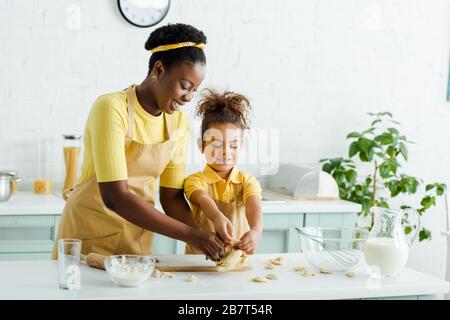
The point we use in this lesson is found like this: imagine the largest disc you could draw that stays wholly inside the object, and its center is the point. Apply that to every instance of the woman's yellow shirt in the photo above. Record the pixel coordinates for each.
(104, 139)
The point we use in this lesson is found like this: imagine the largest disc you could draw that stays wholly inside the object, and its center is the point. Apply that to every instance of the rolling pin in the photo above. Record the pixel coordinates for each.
(94, 260)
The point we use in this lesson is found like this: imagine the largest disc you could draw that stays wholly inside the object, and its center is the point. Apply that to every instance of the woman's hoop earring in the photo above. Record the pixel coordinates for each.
(153, 77)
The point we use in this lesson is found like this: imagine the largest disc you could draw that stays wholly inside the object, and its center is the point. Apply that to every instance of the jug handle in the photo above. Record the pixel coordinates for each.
(411, 239)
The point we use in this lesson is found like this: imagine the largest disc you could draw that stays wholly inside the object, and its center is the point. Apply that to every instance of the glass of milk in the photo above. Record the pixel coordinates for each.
(387, 248)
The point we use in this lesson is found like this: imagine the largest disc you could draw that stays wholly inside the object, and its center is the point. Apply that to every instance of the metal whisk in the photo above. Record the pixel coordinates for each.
(345, 257)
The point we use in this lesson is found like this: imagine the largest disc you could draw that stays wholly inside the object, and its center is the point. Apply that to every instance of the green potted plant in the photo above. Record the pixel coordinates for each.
(385, 149)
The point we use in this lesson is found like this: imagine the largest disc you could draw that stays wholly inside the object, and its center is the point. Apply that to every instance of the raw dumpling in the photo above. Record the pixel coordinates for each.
(272, 276)
(167, 275)
(259, 279)
(299, 269)
(325, 271)
(350, 274)
(191, 278)
(270, 266)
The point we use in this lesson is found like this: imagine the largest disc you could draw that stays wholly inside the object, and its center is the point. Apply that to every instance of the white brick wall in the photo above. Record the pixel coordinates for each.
(312, 68)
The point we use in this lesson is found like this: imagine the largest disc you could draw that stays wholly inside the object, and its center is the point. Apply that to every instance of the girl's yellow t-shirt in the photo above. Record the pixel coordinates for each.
(222, 189)
(104, 139)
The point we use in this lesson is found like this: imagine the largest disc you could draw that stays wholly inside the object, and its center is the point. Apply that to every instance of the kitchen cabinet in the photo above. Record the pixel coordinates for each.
(29, 223)
(27, 237)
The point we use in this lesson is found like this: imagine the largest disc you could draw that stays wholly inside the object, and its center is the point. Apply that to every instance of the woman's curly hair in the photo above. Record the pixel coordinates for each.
(226, 107)
(171, 34)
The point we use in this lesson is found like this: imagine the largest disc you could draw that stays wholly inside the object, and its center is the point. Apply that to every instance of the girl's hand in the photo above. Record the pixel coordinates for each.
(248, 241)
(224, 229)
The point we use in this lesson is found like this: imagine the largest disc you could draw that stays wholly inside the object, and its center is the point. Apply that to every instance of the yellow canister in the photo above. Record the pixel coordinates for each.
(43, 186)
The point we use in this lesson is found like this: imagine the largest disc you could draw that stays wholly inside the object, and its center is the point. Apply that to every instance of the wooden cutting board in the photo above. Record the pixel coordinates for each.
(178, 263)
(190, 263)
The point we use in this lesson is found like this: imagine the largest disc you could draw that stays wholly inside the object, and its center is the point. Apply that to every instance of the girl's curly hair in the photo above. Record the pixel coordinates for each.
(226, 107)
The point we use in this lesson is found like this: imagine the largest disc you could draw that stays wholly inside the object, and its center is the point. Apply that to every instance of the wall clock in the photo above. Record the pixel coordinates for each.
(143, 13)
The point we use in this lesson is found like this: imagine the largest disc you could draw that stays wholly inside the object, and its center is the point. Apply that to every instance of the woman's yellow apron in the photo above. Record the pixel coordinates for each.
(102, 230)
(234, 211)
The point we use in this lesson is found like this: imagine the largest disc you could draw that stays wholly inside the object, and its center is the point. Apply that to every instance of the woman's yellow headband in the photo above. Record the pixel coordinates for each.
(167, 47)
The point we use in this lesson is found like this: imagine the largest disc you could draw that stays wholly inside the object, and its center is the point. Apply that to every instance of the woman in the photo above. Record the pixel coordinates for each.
(132, 138)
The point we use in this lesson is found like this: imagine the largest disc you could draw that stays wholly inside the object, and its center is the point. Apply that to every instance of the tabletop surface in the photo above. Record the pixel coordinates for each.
(38, 280)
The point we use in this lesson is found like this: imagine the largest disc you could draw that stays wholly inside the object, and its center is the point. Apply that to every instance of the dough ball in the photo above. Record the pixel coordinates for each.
(270, 266)
(350, 274)
(275, 262)
(299, 269)
(259, 279)
(308, 273)
(167, 275)
(191, 278)
(325, 271)
(272, 276)
(280, 259)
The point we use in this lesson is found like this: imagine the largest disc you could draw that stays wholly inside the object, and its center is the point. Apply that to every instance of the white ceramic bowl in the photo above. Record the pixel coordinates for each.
(129, 270)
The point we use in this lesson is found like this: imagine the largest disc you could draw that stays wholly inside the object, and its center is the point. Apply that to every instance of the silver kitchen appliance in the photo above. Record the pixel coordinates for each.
(8, 181)
(300, 182)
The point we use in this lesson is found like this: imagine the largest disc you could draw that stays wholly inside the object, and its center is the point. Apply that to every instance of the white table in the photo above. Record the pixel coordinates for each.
(38, 280)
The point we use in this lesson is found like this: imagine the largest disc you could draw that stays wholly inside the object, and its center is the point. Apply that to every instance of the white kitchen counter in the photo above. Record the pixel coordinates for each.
(29, 203)
(303, 206)
(38, 280)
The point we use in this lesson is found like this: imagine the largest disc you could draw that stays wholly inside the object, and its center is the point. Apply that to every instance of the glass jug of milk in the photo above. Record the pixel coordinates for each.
(387, 248)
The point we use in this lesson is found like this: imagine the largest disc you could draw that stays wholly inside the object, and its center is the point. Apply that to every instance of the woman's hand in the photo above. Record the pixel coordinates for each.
(248, 241)
(224, 229)
(207, 242)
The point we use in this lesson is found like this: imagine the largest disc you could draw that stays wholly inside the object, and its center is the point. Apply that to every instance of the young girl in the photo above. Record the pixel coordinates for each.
(224, 199)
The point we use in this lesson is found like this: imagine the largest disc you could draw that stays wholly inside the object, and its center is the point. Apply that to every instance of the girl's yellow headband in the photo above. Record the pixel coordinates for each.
(167, 47)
